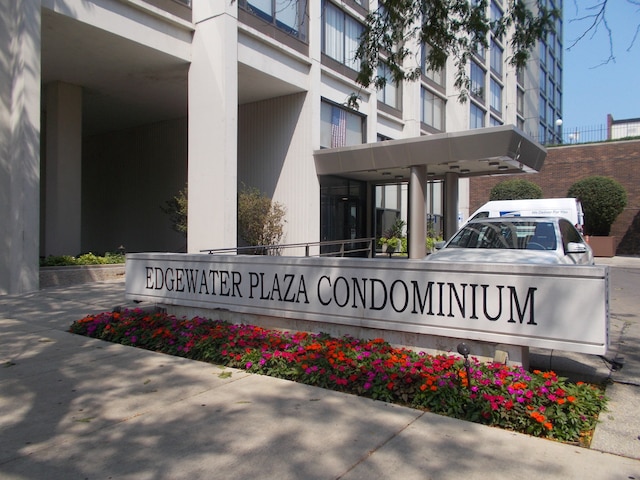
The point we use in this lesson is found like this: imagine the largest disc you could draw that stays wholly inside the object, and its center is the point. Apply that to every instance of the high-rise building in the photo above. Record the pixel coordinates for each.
(540, 87)
(110, 108)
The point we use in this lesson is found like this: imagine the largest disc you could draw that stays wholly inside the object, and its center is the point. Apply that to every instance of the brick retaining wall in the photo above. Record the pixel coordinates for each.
(567, 164)
(74, 275)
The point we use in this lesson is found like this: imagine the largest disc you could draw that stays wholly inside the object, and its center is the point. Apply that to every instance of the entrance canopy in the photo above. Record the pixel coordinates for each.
(483, 151)
(449, 156)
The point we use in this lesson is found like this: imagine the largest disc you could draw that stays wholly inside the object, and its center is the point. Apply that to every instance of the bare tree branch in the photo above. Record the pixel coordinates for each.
(596, 16)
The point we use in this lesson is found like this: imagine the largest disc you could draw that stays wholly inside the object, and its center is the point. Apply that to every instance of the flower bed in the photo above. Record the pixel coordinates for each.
(536, 403)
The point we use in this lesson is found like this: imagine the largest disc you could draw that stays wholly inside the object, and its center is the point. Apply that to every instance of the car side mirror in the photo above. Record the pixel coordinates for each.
(439, 245)
(576, 247)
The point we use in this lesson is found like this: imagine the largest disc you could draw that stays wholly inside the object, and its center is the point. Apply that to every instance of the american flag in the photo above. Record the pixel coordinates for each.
(338, 127)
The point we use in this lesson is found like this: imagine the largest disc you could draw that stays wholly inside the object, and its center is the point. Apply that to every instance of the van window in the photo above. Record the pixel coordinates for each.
(480, 215)
(569, 234)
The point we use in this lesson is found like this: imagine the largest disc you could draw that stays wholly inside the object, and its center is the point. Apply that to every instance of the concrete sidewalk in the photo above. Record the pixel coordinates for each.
(74, 407)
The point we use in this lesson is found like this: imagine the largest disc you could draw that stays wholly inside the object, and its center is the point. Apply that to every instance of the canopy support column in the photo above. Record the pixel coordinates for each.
(417, 228)
(450, 204)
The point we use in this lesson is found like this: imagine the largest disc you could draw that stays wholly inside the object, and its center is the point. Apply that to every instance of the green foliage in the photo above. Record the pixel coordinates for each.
(433, 237)
(538, 403)
(84, 259)
(603, 199)
(452, 28)
(260, 221)
(432, 241)
(394, 238)
(515, 189)
(176, 208)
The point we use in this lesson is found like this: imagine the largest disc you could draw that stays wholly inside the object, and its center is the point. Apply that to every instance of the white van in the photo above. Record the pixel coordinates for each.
(569, 208)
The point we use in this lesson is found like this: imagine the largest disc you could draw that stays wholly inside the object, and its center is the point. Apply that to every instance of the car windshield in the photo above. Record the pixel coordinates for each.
(508, 234)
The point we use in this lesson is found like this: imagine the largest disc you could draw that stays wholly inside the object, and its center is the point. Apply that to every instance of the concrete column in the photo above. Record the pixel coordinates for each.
(213, 127)
(63, 169)
(450, 204)
(417, 211)
(20, 44)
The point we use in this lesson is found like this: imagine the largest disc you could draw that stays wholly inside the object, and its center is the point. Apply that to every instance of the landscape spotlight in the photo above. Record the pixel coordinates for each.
(463, 349)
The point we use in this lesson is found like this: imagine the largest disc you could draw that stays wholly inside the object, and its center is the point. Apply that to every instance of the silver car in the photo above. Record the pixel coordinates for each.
(538, 240)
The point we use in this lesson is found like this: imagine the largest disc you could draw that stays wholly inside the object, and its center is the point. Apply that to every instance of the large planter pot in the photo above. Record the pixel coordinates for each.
(602, 246)
(388, 249)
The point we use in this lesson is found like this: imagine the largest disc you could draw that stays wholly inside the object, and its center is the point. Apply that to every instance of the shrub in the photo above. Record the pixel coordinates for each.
(176, 208)
(84, 259)
(515, 189)
(260, 220)
(603, 199)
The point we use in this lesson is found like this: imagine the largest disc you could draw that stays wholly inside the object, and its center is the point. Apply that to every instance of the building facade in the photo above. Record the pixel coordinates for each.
(111, 107)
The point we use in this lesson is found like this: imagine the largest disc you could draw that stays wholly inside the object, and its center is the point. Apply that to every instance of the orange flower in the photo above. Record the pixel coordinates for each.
(571, 398)
(548, 426)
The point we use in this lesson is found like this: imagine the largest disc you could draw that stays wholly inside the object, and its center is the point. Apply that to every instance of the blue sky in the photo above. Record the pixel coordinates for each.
(592, 90)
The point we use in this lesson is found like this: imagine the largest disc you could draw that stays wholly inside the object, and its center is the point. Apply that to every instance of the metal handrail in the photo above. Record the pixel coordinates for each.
(370, 248)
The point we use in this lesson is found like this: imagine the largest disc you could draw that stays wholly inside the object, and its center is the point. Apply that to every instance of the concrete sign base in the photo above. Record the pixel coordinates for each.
(553, 307)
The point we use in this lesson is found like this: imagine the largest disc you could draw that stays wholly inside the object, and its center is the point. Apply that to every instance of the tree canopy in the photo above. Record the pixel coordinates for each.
(452, 29)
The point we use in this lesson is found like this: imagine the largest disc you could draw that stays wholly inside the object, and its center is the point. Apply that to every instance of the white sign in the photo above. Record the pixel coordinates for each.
(555, 307)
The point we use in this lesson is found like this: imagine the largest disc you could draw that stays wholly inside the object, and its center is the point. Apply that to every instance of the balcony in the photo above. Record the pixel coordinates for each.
(179, 8)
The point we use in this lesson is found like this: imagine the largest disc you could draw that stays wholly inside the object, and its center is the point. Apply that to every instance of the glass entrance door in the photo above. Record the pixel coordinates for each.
(342, 210)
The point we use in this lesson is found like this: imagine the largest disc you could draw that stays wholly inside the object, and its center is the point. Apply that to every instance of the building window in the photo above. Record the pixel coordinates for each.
(551, 117)
(287, 15)
(520, 76)
(476, 117)
(438, 75)
(494, 122)
(433, 109)
(341, 34)
(481, 52)
(543, 81)
(390, 93)
(477, 81)
(496, 58)
(542, 135)
(340, 127)
(495, 12)
(520, 102)
(496, 96)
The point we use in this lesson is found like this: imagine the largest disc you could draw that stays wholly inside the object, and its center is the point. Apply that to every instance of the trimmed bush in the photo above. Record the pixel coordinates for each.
(603, 199)
(84, 259)
(515, 189)
(260, 220)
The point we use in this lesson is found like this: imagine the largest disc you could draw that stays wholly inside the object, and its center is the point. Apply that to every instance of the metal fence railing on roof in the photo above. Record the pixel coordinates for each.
(596, 133)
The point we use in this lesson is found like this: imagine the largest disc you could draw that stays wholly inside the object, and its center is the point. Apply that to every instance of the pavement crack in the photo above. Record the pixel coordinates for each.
(379, 446)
